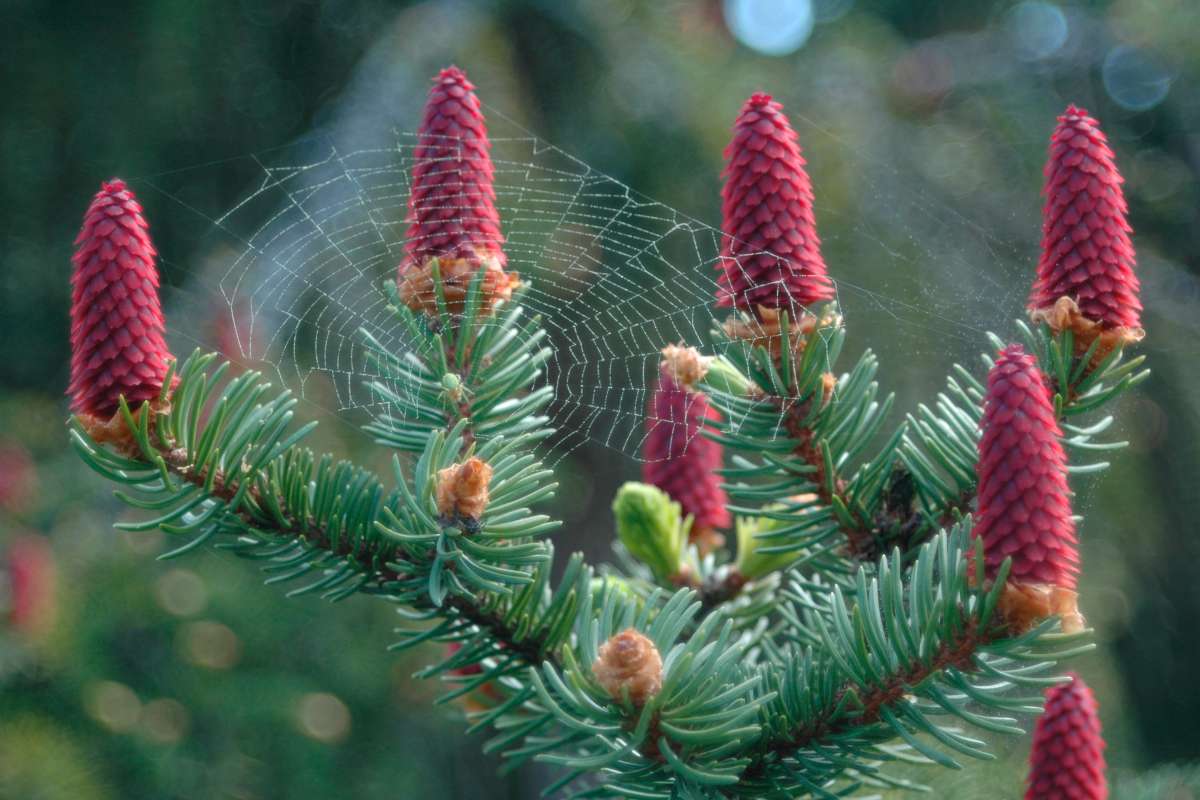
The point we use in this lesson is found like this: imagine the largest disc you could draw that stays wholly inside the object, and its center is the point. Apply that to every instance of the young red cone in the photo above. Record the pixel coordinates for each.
(1024, 501)
(771, 255)
(676, 457)
(117, 344)
(452, 202)
(1067, 759)
(1087, 255)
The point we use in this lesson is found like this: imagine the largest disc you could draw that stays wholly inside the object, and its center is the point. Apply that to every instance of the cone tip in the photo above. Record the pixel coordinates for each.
(113, 186)
(454, 75)
(761, 101)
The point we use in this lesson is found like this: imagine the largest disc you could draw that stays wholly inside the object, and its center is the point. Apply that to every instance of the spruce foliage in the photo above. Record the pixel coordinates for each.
(856, 628)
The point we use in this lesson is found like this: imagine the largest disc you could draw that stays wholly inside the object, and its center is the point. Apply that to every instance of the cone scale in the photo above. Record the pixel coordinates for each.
(117, 326)
(771, 254)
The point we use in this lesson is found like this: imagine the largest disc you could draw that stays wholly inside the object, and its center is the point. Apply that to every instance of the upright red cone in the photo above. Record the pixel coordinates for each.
(1087, 255)
(771, 255)
(1024, 502)
(676, 457)
(1067, 759)
(117, 345)
(452, 202)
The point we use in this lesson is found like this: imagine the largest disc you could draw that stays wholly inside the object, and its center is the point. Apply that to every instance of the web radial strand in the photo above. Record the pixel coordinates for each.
(615, 276)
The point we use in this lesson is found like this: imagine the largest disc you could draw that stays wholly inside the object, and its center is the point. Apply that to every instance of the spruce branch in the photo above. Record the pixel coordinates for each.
(810, 428)
(809, 423)
(900, 663)
(324, 523)
(1085, 310)
(234, 478)
(922, 478)
(684, 674)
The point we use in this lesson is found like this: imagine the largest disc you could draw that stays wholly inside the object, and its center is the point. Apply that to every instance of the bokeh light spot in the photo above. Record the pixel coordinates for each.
(165, 720)
(1038, 30)
(181, 592)
(210, 644)
(1133, 79)
(323, 717)
(114, 705)
(772, 27)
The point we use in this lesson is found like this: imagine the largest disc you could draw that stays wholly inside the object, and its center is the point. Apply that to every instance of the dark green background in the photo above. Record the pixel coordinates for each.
(925, 134)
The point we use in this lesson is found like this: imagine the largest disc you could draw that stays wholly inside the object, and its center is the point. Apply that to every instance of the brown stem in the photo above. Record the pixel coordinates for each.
(716, 591)
(870, 701)
(861, 538)
(370, 557)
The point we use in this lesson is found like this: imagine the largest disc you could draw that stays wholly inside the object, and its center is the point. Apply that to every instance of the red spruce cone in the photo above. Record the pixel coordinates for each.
(1087, 255)
(1067, 759)
(682, 462)
(771, 255)
(117, 345)
(452, 203)
(1024, 501)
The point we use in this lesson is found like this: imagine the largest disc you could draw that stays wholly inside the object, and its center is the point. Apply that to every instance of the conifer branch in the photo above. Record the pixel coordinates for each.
(680, 673)
(900, 655)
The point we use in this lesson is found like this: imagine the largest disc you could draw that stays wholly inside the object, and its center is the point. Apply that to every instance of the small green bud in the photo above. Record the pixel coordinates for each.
(649, 524)
(724, 377)
(752, 562)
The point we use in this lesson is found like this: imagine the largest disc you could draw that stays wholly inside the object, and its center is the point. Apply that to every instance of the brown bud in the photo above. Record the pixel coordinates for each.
(416, 287)
(1065, 315)
(115, 431)
(462, 489)
(764, 331)
(629, 662)
(684, 365)
(1024, 605)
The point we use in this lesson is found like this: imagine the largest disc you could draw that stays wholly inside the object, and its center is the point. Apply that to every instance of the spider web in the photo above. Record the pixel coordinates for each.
(614, 275)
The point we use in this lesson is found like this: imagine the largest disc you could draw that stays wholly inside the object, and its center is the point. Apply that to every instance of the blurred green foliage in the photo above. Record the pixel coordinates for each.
(925, 125)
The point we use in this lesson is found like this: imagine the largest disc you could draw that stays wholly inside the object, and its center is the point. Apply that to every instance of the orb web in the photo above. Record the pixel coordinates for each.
(298, 265)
